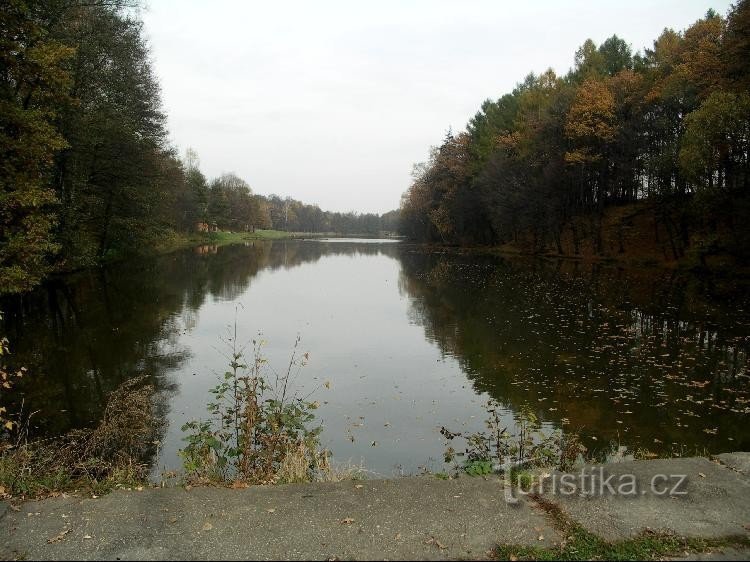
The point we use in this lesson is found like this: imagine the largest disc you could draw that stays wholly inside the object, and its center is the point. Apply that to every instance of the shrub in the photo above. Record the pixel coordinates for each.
(113, 453)
(259, 431)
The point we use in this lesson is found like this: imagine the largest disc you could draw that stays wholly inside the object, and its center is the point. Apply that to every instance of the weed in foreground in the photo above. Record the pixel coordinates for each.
(260, 429)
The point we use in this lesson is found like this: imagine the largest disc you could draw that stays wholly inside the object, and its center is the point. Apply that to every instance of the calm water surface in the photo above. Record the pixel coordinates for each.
(408, 340)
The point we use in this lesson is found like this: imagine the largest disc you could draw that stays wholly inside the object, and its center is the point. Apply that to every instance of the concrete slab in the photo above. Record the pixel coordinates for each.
(736, 461)
(713, 501)
(412, 518)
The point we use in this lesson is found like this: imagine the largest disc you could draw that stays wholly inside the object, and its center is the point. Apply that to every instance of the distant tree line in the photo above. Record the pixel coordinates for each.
(225, 203)
(228, 203)
(670, 126)
(86, 170)
(295, 216)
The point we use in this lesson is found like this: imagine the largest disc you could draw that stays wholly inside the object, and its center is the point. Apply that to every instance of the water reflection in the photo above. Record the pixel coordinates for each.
(411, 340)
(83, 335)
(651, 359)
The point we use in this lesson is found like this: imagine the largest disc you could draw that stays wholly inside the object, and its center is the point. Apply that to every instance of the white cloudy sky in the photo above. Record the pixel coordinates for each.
(332, 102)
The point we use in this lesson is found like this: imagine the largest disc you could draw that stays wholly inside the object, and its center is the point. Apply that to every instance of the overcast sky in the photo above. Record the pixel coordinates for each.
(333, 102)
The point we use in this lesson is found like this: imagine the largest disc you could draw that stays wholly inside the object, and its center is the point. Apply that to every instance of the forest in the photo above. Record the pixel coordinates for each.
(652, 142)
(86, 169)
(567, 161)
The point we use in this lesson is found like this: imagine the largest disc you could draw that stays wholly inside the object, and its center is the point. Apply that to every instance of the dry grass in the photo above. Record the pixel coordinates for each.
(340, 472)
(113, 453)
(302, 464)
(295, 464)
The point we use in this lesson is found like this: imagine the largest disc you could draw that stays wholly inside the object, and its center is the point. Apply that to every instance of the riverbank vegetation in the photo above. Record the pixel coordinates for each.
(176, 240)
(222, 237)
(87, 169)
(261, 425)
(640, 149)
(500, 448)
(259, 430)
(113, 454)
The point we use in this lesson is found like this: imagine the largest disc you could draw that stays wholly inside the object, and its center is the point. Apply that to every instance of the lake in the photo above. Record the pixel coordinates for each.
(402, 341)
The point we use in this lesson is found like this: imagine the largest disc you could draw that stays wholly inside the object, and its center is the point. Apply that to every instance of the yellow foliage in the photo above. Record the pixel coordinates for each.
(592, 114)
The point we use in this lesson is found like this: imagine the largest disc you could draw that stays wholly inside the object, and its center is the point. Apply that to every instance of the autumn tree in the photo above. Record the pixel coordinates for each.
(34, 83)
(736, 46)
(668, 125)
(714, 150)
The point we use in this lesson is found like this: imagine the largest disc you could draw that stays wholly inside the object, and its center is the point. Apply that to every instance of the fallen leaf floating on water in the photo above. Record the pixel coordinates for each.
(347, 521)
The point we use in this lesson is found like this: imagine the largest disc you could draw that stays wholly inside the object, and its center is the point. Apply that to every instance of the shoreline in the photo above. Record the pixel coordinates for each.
(409, 518)
(508, 251)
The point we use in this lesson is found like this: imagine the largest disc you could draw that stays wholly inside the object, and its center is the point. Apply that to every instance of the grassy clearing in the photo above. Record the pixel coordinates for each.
(233, 237)
(177, 241)
(224, 237)
(579, 544)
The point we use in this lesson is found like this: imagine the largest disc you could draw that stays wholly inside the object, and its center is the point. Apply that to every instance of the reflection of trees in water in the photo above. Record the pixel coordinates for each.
(225, 273)
(83, 335)
(663, 353)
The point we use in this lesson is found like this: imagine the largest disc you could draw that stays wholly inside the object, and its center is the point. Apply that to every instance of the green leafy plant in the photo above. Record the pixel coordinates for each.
(478, 468)
(259, 432)
(528, 445)
(522, 478)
